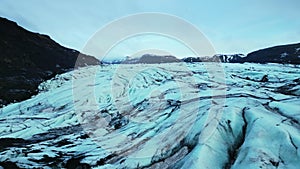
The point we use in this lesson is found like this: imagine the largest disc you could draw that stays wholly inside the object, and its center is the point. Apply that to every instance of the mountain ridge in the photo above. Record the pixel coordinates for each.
(284, 54)
(28, 58)
(288, 53)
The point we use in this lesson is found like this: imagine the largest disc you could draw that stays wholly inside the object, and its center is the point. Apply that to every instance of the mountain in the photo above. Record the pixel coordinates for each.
(234, 58)
(151, 59)
(285, 54)
(277, 54)
(289, 54)
(27, 59)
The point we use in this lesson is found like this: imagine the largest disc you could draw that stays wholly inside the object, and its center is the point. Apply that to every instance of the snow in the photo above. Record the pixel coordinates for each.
(159, 115)
(283, 55)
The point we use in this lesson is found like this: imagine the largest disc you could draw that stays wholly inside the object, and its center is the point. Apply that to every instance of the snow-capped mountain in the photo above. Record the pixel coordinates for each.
(234, 58)
(284, 54)
(173, 115)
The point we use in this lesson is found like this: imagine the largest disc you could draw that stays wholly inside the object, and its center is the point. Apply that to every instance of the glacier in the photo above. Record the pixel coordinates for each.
(171, 115)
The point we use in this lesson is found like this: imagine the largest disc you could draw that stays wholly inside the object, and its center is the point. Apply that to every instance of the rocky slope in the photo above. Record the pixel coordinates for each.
(173, 115)
(27, 59)
(277, 54)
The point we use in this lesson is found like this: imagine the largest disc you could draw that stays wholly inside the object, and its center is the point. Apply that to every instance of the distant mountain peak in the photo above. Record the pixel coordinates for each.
(284, 54)
(152, 59)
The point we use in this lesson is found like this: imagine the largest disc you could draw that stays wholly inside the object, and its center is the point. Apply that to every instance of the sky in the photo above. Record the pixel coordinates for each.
(232, 26)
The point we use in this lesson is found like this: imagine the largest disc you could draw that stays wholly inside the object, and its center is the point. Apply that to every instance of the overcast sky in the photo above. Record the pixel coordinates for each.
(232, 26)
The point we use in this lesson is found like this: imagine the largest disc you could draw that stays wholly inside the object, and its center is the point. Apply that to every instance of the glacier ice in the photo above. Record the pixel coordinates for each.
(158, 116)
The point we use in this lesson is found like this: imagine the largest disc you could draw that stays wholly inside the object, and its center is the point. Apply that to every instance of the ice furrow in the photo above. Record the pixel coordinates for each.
(157, 116)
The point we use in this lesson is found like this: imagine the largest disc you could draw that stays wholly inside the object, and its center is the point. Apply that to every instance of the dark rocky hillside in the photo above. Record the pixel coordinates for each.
(27, 59)
(278, 54)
